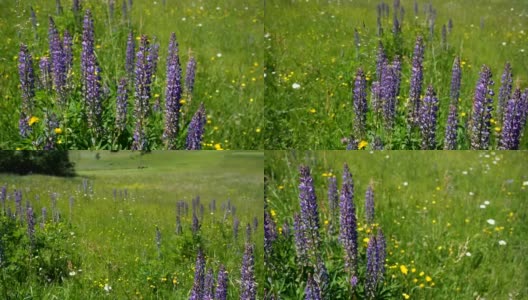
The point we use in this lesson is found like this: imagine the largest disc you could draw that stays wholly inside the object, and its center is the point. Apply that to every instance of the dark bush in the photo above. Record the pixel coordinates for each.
(55, 163)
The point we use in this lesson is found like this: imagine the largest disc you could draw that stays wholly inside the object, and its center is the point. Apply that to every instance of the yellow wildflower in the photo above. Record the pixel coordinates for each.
(404, 269)
(428, 279)
(58, 130)
(33, 120)
(362, 145)
(405, 296)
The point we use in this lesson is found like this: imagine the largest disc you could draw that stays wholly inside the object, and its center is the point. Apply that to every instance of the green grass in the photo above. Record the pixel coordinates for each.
(428, 205)
(115, 238)
(229, 78)
(312, 44)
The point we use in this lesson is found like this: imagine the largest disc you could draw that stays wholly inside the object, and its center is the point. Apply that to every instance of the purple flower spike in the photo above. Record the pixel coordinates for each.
(360, 104)
(189, 76)
(348, 222)
(270, 232)
(333, 197)
(312, 290)
(427, 119)
(388, 94)
(209, 285)
(30, 224)
(300, 239)
(173, 94)
(450, 141)
(376, 97)
(199, 278)
(455, 81)
(309, 212)
(221, 284)
(91, 78)
(68, 52)
(121, 105)
(142, 95)
(504, 91)
(27, 79)
(514, 121)
(130, 51)
(196, 129)
(369, 204)
(380, 60)
(416, 80)
(248, 289)
(479, 126)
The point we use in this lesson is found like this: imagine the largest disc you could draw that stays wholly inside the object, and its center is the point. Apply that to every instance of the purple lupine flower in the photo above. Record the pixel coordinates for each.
(190, 73)
(455, 81)
(270, 232)
(504, 91)
(248, 288)
(30, 225)
(3, 196)
(388, 94)
(196, 129)
(513, 125)
(45, 73)
(76, 6)
(142, 95)
(173, 94)
(321, 276)
(179, 229)
(33, 18)
(312, 291)
(416, 80)
(67, 44)
(195, 224)
(380, 254)
(348, 222)
(18, 204)
(121, 105)
(221, 284)
(300, 239)
(376, 97)
(27, 84)
(286, 230)
(360, 103)
(236, 225)
(371, 280)
(479, 127)
(402, 14)
(369, 204)
(449, 25)
(248, 233)
(152, 59)
(58, 62)
(380, 60)
(91, 77)
(209, 285)
(396, 28)
(357, 40)
(199, 277)
(427, 119)
(309, 212)
(450, 141)
(130, 52)
(44, 217)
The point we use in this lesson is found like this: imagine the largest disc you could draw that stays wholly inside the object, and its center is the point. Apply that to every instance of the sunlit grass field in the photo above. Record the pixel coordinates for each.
(225, 37)
(119, 199)
(311, 60)
(455, 223)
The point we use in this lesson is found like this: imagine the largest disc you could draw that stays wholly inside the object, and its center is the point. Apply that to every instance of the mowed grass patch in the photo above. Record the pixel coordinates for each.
(119, 199)
(453, 221)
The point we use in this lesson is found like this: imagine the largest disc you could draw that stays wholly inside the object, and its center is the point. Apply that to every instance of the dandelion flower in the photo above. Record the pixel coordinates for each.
(405, 296)
(428, 278)
(404, 269)
(34, 120)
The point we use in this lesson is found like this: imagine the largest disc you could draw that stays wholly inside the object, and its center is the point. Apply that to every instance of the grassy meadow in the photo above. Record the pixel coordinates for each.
(454, 222)
(107, 235)
(312, 55)
(229, 76)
